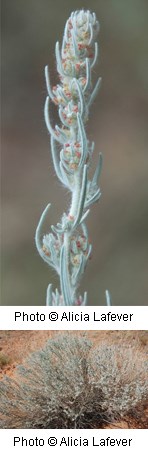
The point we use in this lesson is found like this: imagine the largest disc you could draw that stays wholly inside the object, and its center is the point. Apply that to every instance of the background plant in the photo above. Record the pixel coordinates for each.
(4, 360)
(69, 384)
(67, 248)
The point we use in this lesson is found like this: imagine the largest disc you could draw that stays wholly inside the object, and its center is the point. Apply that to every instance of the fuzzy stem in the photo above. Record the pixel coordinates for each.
(67, 235)
(75, 195)
(67, 251)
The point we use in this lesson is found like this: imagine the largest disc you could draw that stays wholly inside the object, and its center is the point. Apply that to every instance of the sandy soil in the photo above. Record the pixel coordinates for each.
(16, 345)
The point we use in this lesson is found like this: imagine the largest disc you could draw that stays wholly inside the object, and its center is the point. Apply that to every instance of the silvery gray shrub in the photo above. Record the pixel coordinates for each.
(70, 384)
(66, 249)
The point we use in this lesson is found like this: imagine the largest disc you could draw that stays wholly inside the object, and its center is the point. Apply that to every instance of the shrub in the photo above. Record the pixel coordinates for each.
(4, 360)
(68, 384)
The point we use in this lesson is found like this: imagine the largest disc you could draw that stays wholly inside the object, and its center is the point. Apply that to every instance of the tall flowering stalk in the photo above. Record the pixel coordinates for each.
(67, 247)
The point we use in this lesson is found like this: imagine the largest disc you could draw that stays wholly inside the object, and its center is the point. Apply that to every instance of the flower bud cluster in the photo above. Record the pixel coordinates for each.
(79, 248)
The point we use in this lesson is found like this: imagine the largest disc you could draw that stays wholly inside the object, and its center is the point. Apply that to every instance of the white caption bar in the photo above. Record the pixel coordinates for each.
(111, 442)
(73, 318)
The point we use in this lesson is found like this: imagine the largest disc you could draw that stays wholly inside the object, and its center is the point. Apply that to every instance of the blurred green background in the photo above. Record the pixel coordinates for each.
(118, 224)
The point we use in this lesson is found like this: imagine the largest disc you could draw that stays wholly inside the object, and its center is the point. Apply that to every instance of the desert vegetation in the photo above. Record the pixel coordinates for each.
(76, 382)
(4, 360)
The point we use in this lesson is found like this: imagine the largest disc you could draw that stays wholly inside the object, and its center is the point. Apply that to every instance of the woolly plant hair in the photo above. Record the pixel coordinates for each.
(67, 248)
(69, 384)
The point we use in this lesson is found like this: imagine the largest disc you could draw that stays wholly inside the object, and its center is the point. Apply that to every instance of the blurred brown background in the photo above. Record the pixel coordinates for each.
(118, 224)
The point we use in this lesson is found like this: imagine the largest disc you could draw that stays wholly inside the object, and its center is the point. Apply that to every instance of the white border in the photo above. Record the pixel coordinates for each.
(51, 318)
(136, 442)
